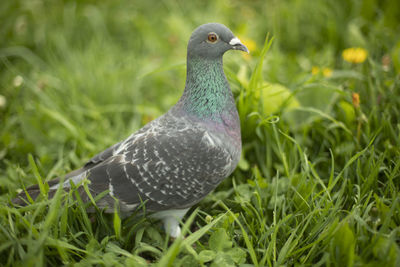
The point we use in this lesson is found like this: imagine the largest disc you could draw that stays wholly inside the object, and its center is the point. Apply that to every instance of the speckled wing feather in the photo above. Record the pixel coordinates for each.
(170, 163)
(102, 156)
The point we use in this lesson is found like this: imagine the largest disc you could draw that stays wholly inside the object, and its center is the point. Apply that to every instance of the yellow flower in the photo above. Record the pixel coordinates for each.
(327, 72)
(314, 70)
(250, 44)
(356, 100)
(355, 55)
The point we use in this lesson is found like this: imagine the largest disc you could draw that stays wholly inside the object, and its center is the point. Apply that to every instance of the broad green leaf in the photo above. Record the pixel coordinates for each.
(206, 255)
(344, 243)
(219, 240)
(223, 260)
(386, 250)
(238, 255)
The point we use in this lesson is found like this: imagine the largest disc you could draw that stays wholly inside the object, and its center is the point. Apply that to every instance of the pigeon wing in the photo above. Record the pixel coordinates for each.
(109, 152)
(166, 169)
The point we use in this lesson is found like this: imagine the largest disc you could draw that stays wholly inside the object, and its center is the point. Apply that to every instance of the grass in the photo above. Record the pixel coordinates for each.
(319, 180)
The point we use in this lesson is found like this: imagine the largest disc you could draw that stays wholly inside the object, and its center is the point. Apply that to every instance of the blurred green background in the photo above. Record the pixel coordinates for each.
(320, 131)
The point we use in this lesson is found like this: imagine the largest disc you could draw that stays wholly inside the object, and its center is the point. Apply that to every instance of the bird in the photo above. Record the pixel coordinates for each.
(174, 161)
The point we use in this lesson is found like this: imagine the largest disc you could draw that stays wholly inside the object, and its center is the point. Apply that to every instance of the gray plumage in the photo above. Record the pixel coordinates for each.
(177, 159)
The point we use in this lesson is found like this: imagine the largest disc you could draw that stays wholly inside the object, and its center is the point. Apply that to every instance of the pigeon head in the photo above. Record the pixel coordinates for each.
(212, 40)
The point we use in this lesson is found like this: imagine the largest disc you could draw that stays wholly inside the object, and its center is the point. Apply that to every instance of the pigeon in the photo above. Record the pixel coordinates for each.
(174, 161)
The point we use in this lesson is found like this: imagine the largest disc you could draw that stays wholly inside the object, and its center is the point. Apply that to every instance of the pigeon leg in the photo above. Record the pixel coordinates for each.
(171, 220)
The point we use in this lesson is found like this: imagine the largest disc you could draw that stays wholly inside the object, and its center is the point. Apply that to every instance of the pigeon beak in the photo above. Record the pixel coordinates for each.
(236, 44)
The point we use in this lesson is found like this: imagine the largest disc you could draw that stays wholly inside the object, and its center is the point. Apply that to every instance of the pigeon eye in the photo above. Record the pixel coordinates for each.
(212, 37)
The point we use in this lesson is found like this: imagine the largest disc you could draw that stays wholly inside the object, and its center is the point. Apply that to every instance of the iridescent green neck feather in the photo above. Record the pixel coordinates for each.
(207, 94)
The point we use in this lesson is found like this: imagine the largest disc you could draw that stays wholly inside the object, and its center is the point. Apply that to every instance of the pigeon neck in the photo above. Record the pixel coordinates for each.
(207, 94)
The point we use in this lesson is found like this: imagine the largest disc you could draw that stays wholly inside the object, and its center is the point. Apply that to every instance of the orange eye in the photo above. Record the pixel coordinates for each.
(212, 37)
